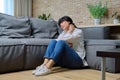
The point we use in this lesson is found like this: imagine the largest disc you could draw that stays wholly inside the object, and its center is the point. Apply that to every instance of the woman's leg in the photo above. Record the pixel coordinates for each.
(64, 56)
(50, 63)
(45, 61)
(49, 51)
(70, 59)
(55, 55)
(58, 50)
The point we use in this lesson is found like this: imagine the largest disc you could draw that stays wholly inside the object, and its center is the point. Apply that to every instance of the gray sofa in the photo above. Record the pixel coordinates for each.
(23, 42)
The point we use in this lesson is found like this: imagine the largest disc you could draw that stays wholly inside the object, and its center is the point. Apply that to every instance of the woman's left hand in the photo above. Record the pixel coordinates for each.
(71, 28)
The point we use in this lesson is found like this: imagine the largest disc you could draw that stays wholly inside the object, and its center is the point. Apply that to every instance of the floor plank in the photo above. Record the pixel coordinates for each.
(60, 74)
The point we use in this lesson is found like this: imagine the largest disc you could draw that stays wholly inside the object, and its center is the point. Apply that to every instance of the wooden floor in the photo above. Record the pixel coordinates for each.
(60, 74)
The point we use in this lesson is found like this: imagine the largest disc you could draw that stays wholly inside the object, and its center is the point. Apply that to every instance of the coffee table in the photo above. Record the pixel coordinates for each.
(112, 53)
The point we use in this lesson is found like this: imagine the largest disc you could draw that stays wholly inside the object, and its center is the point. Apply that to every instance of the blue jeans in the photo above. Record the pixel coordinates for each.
(63, 54)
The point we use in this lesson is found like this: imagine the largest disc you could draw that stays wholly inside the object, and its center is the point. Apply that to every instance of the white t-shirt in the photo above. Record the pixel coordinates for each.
(76, 38)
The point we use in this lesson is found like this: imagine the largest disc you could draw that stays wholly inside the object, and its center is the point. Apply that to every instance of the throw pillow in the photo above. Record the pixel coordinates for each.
(44, 28)
(12, 27)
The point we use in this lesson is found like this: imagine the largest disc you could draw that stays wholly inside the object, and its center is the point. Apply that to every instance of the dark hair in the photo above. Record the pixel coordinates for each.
(65, 18)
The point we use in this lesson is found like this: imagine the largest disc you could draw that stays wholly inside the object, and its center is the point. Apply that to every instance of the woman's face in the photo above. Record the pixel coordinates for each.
(65, 25)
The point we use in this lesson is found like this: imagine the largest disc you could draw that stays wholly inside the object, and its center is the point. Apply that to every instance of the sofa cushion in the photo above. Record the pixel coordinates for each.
(44, 28)
(28, 52)
(11, 58)
(35, 49)
(12, 55)
(12, 27)
(35, 41)
(96, 32)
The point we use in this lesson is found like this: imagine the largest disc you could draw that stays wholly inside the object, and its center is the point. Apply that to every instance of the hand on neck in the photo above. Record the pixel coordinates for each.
(71, 28)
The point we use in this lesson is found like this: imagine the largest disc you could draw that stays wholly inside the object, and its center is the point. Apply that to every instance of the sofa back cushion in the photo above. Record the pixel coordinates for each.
(12, 27)
(96, 32)
(44, 28)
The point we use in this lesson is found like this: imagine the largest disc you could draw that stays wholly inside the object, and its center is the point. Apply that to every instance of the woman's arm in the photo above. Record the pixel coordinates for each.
(71, 36)
(74, 36)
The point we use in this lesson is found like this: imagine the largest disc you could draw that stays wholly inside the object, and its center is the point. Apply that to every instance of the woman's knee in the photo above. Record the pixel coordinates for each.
(53, 41)
(61, 42)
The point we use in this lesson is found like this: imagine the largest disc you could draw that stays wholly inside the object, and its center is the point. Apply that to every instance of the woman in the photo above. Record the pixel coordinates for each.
(66, 51)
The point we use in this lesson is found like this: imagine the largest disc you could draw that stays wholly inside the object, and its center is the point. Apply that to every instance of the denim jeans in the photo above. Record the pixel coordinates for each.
(63, 54)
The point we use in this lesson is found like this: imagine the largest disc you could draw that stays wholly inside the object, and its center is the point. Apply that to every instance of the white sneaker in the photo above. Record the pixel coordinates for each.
(43, 71)
(38, 67)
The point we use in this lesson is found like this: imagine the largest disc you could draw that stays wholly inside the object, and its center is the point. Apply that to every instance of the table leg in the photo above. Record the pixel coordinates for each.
(103, 66)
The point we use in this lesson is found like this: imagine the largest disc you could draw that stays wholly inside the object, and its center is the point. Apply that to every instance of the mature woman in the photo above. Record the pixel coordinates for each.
(66, 51)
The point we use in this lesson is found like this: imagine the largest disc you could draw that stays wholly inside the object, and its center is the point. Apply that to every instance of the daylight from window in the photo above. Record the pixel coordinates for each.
(7, 6)
(2, 6)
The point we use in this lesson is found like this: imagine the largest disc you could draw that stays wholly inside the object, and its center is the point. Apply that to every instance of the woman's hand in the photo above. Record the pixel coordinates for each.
(71, 28)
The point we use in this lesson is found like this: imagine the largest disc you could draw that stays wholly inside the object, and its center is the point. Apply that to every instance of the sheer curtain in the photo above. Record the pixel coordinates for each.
(23, 7)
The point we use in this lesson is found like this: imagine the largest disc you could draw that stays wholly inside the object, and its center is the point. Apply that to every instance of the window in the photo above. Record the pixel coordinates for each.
(7, 6)
(2, 6)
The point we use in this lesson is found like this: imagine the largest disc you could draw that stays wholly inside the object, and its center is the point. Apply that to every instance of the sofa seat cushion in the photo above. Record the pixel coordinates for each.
(35, 49)
(34, 55)
(12, 57)
(25, 41)
(21, 54)
(35, 41)
(44, 28)
(9, 41)
(12, 27)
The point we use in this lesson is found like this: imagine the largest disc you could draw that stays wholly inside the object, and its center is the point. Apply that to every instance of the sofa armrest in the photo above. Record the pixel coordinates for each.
(102, 42)
(92, 46)
(118, 45)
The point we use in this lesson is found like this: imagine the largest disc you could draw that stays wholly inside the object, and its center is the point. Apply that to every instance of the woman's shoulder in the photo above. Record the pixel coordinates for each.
(78, 30)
